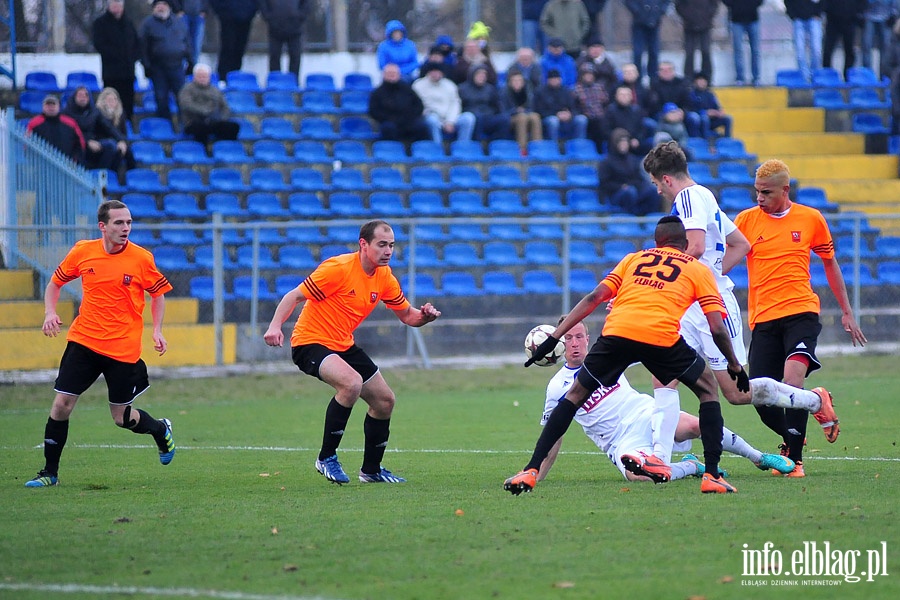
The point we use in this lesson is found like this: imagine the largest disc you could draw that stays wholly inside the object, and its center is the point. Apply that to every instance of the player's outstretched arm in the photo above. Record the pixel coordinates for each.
(416, 317)
(839, 289)
(52, 323)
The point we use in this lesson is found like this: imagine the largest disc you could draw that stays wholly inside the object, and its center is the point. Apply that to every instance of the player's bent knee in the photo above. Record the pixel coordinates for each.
(125, 421)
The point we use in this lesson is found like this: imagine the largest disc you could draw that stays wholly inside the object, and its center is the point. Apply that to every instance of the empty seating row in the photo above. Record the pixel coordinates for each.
(276, 128)
(829, 77)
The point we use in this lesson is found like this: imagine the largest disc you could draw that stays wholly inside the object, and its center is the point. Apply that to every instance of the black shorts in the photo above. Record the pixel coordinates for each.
(309, 358)
(611, 355)
(772, 342)
(80, 367)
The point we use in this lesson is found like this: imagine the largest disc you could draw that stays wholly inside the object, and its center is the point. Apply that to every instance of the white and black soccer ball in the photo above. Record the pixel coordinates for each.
(534, 339)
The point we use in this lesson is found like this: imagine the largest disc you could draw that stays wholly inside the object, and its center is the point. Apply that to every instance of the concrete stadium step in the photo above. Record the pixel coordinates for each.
(16, 284)
(856, 167)
(777, 120)
(768, 145)
(742, 98)
(24, 349)
(857, 192)
(30, 313)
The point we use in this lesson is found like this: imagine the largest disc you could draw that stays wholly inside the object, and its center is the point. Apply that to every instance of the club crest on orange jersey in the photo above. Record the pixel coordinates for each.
(373, 297)
(795, 237)
(126, 279)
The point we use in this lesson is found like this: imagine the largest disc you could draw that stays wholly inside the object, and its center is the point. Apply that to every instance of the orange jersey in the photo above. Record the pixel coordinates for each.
(339, 296)
(110, 319)
(778, 262)
(653, 289)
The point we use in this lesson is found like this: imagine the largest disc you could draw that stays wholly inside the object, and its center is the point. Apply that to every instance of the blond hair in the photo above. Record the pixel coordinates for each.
(114, 115)
(774, 169)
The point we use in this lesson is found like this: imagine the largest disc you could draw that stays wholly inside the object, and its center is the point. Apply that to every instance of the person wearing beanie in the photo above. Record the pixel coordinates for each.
(60, 131)
(595, 56)
(555, 58)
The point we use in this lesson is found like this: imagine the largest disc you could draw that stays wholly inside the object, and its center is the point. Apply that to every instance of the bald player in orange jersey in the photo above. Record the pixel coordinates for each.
(783, 308)
(338, 296)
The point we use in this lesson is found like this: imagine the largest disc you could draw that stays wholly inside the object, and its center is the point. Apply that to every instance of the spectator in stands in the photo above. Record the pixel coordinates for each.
(480, 99)
(640, 93)
(697, 20)
(517, 102)
(890, 67)
(623, 113)
(744, 18)
(841, 20)
(806, 18)
(397, 108)
(436, 57)
(116, 40)
(398, 49)
(528, 67)
(667, 87)
(592, 100)
(879, 16)
(285, 20)
(195, 19)
(622, 180)
(594, 10)
(568, 21)
(165, 48)
(472, 56)
(671, 126)
(105, 147)
(646, 16)
(444, 46)
(532, 35)
(598, 60)
(556, 59)
(235, 18)
(60, 131)
(110, 106)
(481, 33)
(559, 109)
(204, 109)
(443, 108)
(703, 101)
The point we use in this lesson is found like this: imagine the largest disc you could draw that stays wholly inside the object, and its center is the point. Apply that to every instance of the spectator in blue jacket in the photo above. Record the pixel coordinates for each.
(806, 17)
(555, 58)
(646, 16)
(166, 49)
(235, 17)
(398, 49)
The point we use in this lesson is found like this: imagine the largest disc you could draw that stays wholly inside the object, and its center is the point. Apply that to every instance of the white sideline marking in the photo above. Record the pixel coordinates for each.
(74, 588)
(415, 451)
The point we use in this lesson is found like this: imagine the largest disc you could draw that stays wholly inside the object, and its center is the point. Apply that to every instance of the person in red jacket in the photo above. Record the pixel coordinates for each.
(60, 131)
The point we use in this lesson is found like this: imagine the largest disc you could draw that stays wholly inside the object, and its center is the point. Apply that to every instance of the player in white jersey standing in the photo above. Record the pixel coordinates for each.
(618, 420)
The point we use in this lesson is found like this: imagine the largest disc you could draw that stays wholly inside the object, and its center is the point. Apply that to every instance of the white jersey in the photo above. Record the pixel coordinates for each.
(697, 208)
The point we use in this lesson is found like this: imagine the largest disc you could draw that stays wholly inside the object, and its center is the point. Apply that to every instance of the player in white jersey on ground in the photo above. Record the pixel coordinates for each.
(618, 419)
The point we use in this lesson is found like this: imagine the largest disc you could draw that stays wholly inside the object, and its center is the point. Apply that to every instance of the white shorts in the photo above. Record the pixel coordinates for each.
(695, 331)
(637, 437)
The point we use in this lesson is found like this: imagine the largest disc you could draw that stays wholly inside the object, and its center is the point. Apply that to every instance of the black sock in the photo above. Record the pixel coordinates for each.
(336, 417)
(557, 425)
(377, 432)
(148, 424)
(773, 418)
(711, 424)
(55, 435)
(796, 421)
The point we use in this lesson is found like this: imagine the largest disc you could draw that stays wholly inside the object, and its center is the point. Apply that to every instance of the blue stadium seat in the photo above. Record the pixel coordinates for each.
(186, 180)
(828, 77)
(507, 232)
(202, 289)
(461, 254)
(358, 81)
(467, 204)
(545, 231)
(460, 283)
(356, 128)
(348, 179)
(869, 123)
(143, 237)
(281, 103)
(739, 276)
(183, 206)
(347, 204)
(546, 201)
(331, 250)
(542, 253)
(241, 102)
(466, 177)
(866, 77)
(624, 229)
(424, 285)
(310, 151)
(150, 153)
(468, 232)
(323, 82)
(354, 102)
(246, 129)
(279, 128)
(245, 257)
(309, 179)
(351, 152)
(427, 178)
(701, 173)
(83, 78)
(389, 151)
(428, 151)
(544, 176)
(317, 128)
(112, 181)
(732, 149)
(506, 202)
(315, 102)
(889, 272)
(306, 205)
(387, 178)
(142, 206)
(158, 129)
(698, 149)
(501, 283)
(887, 247)
(430, 232)
(426, 256)
(42, 81)
(505, 177)
(427, 204)
(540, 282)
(271, 151)
(545, 150)
(172, 258)
(467, 151)
(816, 198)
(225, 203)
(148, 105)
(506, 150)
(286, 283)
(502, 254)
(734, 199)
(585, 201)
(265, 205)
(583, 252)
(582, 176)
(735, 173)
(231, 152)
(829, 99)
(143, 180)
(32, 101)
(280, 81)
(867, 99)
(581, 149)
(244, 287)
(582, 280)
(791, 79)
(615, 250)
(242, 80)
(294, 256)
(190, 152)
(267, 179)
(180, 237)
(227, 179)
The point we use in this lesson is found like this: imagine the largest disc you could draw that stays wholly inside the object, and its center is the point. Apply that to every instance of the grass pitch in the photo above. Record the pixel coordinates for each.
(242, 514)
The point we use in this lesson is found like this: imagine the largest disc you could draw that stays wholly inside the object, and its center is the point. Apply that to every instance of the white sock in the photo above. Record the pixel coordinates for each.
(683, 469)
(765, 391)
(732, 442)
(666, 411)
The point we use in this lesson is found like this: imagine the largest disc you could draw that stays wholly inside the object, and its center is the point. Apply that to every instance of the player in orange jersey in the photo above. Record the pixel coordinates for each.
(339, 295)
(105, 337)
(653, 289)
(783, 308)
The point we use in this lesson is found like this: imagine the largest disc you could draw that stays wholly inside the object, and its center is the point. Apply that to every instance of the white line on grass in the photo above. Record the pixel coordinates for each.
(74, 588)
(410, 451)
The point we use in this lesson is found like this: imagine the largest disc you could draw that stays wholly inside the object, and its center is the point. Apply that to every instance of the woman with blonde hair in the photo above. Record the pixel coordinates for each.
(110, 106)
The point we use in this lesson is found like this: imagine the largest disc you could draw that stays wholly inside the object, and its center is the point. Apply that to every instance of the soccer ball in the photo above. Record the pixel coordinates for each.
(534, 339)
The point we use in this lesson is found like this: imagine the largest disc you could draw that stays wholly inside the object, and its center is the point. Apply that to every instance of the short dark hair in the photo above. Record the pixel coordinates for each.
(367, 231)
(670, 232)
(105, 207)
(666, 158)
(563, 318)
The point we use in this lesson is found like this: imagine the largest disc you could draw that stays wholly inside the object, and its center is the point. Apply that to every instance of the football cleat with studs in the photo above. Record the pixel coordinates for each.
(523, 481)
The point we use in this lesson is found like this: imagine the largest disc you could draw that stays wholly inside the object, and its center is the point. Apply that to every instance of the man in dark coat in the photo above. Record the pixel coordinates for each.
(116, 40)
(646, 16)
(285, 19)
(60, 131)
(397, 108)
(165, 50)
(235, 17)
(622, 180)
(697, 19)
(842, 18)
